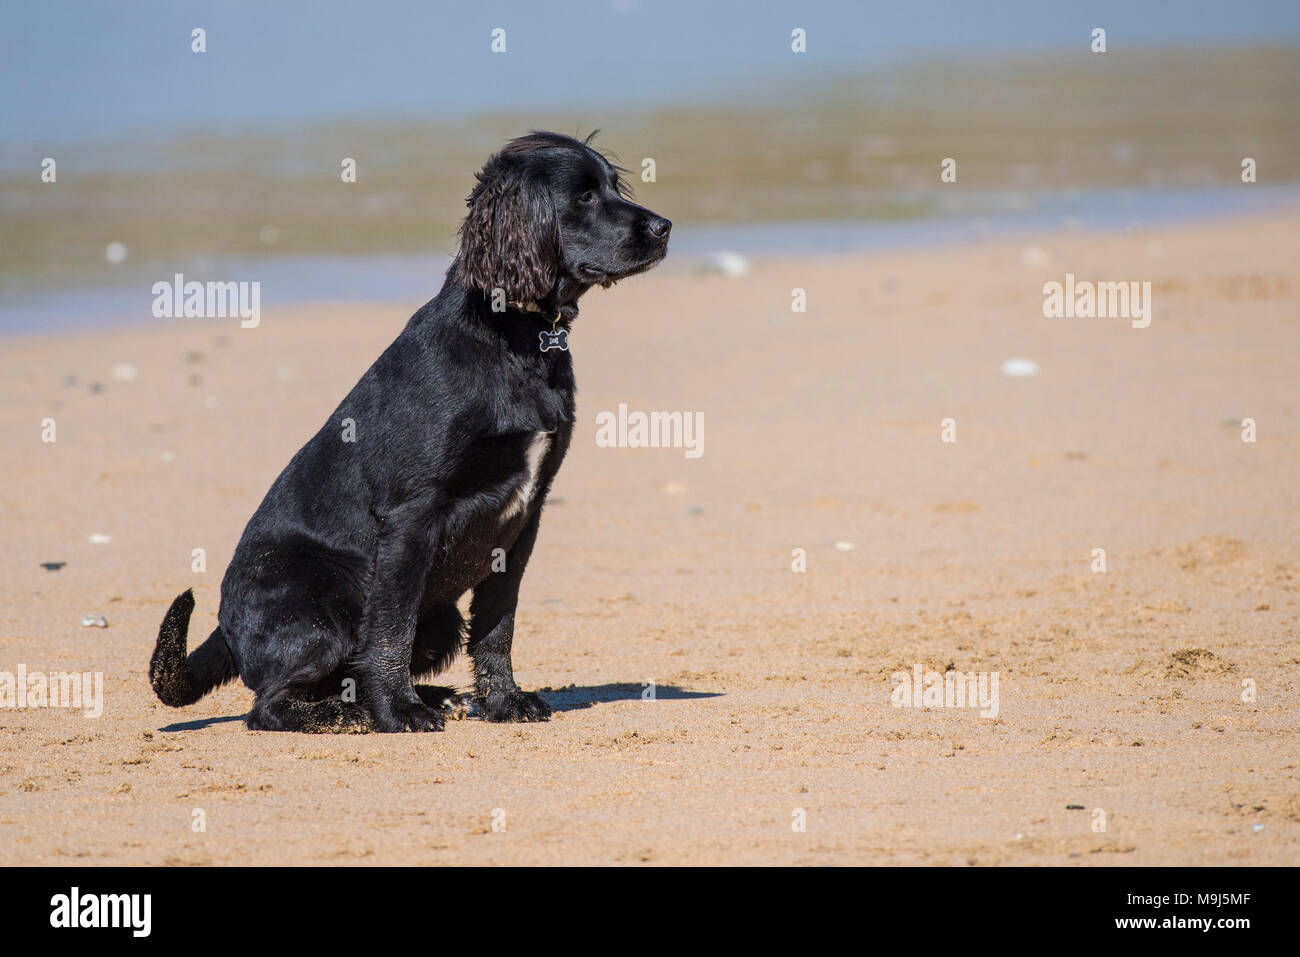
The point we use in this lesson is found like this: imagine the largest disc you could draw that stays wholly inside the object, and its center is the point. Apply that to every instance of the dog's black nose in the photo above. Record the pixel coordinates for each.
(658, 227)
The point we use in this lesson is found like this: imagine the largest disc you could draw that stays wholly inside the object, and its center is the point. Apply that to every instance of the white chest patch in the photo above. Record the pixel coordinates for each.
(527, 487)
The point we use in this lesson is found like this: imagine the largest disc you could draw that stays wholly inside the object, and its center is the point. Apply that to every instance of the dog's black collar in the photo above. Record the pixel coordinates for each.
(557, 338)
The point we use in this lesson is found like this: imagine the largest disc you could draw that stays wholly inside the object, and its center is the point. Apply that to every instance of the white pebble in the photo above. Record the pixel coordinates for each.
(726, 262)
(1020, 367)
(99, 539)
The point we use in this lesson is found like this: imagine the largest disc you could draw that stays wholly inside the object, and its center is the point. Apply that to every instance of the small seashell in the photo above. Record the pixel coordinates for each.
(94, 621)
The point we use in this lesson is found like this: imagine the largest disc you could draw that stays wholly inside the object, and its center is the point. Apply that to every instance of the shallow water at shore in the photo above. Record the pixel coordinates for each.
(414, 278)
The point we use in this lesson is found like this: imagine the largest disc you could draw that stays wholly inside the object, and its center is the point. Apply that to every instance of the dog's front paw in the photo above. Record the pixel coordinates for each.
(514, 705)
(410, 716)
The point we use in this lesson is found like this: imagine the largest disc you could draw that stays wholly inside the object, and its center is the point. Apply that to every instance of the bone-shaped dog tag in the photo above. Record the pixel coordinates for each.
(554, 340)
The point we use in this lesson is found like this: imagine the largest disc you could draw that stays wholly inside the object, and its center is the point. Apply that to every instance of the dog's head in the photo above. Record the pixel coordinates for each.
(546, 207)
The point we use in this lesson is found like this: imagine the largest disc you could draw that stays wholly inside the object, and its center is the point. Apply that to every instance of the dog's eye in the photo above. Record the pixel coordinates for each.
(587, 198)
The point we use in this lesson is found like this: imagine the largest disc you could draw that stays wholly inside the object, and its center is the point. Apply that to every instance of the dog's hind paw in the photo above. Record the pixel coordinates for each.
(515, 706)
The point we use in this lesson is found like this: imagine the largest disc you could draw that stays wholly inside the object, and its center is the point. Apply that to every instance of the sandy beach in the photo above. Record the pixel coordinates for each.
(1124, 693)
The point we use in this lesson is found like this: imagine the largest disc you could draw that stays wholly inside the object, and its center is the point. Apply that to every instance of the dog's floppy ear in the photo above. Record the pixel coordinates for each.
(510, 240)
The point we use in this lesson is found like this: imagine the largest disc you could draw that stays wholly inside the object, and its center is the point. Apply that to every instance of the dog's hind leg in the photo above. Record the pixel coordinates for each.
(287, 710)
(317, 698)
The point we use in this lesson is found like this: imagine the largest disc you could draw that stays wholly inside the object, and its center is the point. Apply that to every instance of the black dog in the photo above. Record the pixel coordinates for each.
(433, 470)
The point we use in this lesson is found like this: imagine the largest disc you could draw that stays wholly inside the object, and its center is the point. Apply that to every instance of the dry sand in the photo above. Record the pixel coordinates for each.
(1119, 690)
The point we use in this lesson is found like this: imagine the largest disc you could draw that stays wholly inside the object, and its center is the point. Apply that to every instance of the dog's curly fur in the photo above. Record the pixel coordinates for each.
(510, 239)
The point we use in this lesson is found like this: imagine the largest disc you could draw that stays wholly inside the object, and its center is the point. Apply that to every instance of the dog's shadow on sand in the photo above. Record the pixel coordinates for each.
(201, 723)
(578, 697)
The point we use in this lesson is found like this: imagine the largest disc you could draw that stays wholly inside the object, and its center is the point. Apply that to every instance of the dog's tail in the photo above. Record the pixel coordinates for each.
(176, 679)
